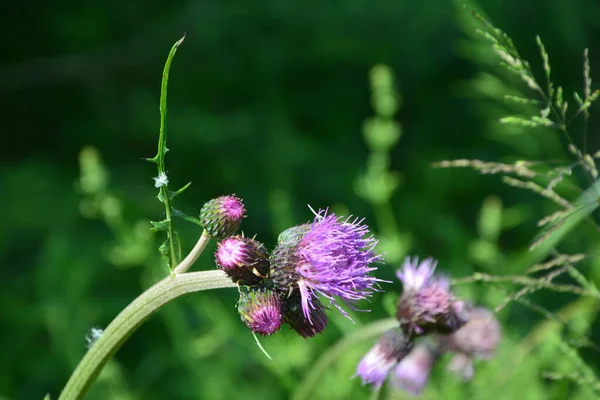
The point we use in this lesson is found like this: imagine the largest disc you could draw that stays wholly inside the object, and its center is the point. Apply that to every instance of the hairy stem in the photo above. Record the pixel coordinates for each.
(131, 318)
(194, 254)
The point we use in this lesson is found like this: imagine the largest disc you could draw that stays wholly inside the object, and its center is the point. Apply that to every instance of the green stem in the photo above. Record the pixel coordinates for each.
(170, 232)
(131, 318)
(164, 194)
(194, 254)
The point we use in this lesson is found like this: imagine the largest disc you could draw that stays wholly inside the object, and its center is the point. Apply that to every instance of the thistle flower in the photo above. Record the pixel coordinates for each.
(244, 260)
(478, 338)
(331, 256)
(391, 347)
(261, 311)
(427, 305)
(294, 315)
(412, 372)
(222, 216)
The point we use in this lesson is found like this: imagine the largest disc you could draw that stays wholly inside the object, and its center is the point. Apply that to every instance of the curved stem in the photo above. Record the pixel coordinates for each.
(194, 254)
(131, 318)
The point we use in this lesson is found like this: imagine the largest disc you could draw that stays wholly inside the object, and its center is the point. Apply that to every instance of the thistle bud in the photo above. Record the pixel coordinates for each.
(306, 325)
(392, 347)
(244, 260)
(221, 217)
(261, 311)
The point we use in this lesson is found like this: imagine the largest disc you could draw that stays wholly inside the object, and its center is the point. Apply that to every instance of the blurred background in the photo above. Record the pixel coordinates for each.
(343, 104)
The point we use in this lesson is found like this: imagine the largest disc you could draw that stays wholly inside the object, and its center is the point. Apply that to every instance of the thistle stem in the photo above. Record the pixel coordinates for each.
(193, 255)
(133, 316)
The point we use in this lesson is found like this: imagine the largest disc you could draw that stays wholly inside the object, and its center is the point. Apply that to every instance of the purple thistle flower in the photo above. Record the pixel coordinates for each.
(427, 305)
(478, 338)
(391, 347)
(261, 311)
(244, 260)
(331, 257)
(414, 275)
(412, 372)
(222, 216)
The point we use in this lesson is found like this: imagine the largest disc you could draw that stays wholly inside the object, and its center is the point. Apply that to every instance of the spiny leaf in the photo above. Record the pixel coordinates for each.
(164, 248)
(159, 225)
(178, 192)
(182, 215)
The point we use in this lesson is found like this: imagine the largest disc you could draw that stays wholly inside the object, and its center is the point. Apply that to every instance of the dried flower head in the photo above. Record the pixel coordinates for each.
(222, 216)
(295, 317)
(331, 256)
(391, 347)
(245, 260)
(412, 373)
(261, 311)
(427, 305)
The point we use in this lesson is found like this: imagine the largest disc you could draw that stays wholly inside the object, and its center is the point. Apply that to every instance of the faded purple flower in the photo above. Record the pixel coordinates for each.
(244, 260)
(222, 216)
(391, 347)
(331, 256)
(478, 338)
(412, 372)
(261, 311)
(427, 305)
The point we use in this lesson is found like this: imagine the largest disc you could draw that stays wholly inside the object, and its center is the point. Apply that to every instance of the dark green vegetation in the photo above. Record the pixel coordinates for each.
(266, 100)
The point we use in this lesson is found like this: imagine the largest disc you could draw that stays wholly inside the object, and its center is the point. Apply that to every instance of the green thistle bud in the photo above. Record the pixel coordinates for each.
(260, 311)
(221, 217)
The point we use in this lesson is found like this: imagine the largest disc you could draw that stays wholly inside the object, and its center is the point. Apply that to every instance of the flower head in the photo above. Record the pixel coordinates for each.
(294, 315)
(222, 216)
(412, 372)
(245, 260)
(391, 347)
(427, 305)
(477, 338)
(261, 311)
(414, 275)
(332, 257)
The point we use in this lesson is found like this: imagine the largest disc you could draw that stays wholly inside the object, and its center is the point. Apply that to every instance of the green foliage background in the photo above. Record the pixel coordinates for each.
(267, 99)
